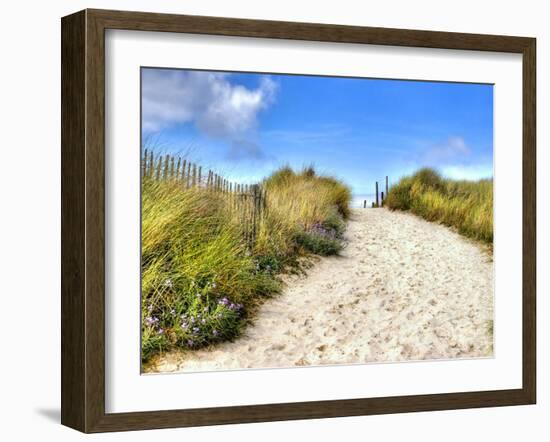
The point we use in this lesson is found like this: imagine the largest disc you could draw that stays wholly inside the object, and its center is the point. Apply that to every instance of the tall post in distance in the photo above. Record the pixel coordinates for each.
(254, 213)
(178, 169)
(377, 200)
(382, 200)
(159, 167)
(166, 167)
(387, 189)
(151, 165)
(144, 164)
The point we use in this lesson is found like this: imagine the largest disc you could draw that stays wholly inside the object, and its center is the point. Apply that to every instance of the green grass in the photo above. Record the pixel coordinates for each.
(200, 280)
(464, 205)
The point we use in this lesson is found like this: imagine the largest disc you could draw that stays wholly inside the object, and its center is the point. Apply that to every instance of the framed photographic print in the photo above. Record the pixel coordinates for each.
(269, 220)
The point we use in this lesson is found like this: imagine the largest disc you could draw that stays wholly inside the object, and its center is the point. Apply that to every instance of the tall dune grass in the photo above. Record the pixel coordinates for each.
(200, 279)
(465, 205)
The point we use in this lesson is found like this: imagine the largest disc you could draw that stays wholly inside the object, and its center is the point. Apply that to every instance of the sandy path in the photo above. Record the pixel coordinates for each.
(403, 289)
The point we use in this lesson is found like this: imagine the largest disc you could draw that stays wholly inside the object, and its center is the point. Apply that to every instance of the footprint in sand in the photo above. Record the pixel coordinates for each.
(384, 245)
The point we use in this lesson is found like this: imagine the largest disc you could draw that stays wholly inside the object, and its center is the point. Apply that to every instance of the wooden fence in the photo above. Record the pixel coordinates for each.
(247, 201)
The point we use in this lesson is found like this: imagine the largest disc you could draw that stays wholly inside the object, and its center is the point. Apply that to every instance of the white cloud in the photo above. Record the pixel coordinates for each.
(208, 100)
(454, 159)
(453, 149)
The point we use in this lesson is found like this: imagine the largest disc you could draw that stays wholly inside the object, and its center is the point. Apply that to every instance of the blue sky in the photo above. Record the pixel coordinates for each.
(246, 125)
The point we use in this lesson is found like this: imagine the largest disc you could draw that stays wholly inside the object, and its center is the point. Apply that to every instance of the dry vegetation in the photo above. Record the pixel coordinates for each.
(200, 278)
(464, 205)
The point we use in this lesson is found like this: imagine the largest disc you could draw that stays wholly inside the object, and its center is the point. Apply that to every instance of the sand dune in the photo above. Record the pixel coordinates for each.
(402, 289)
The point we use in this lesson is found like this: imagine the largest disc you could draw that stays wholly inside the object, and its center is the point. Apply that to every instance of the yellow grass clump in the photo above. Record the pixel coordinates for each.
(464, 205)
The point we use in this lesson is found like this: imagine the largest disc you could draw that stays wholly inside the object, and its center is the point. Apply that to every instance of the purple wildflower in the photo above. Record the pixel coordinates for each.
(215, 332)
(151, 320)
(203, 321)
(235, 307)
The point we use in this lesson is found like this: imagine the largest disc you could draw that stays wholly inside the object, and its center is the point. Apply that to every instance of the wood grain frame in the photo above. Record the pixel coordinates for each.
(83, 220)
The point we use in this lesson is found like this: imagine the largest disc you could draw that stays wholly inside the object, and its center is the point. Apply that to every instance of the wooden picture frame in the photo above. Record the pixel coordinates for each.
(83, 220)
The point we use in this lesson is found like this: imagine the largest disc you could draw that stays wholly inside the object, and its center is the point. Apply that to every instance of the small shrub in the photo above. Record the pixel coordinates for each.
(428, 178)
(318, 243)
(269, 263)
(335, 223)
(399, 197)
(309, 172)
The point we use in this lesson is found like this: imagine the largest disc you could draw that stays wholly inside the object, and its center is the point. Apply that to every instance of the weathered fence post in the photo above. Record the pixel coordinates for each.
(254, 212)
(178, 169)
(159, 167)
(387, 188)
(144, 164)
(171, 167)
(377, 201)
(151, 165)
(382, 200)
(166, 165)
(364, 204)
(200, 173)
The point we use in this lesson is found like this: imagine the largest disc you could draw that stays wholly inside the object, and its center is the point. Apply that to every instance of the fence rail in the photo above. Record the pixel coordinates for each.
(247, 201)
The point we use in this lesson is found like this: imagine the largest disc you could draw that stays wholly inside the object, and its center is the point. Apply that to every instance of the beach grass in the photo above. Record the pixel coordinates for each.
(464, 205)
(200, 279)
